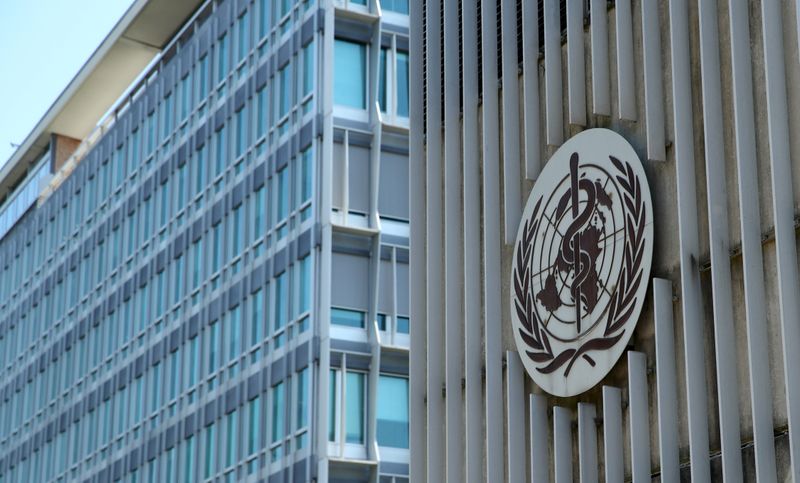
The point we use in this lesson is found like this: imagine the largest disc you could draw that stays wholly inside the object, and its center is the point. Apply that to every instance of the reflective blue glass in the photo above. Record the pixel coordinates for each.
(350, 74)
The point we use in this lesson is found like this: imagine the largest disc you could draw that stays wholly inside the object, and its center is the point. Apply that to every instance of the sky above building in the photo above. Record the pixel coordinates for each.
(43, 44)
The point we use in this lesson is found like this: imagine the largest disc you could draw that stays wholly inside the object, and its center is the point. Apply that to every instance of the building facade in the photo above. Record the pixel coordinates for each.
(204, 252)
(706, 94)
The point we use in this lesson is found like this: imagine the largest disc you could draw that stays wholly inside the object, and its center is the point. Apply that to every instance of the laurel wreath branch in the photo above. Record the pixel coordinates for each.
(622, 303)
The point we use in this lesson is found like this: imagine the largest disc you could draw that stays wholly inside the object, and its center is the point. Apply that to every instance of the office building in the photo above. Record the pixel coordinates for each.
(204, 252)
(675, 122)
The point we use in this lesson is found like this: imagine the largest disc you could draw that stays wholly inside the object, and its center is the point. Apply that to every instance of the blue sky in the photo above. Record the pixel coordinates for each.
(43, 44)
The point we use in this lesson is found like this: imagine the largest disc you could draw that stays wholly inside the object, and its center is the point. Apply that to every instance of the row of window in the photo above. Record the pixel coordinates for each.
(357, 319)
(276, 421)
(246, 229)
(280, 313)
(347, 413)
(351, 81)
(162, 130)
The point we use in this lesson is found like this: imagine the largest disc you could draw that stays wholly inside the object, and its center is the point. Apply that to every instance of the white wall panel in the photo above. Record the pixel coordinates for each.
(552, 73)
(653, 84)
(587, 443)
(694, 352)
(530, 59)
(492, 236)
(666, 380)
(750, 222)
(724, 336)
(783, 214)
(472, 251)
(454, 254)
(576, 72)
(626, 83)
(435, 251)
(511, 158)
(601, 85)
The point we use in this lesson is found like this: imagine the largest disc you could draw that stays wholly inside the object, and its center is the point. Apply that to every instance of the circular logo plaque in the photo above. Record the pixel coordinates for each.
(581, 262)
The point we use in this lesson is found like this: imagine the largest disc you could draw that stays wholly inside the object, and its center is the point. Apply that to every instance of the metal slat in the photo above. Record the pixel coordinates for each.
(626, 95)
(492, 243)
(783, 215)
(653, 84)
(666, 380)
(601, 90)
(639, 421)
(540, 445)
(472, 249)
(552, 73)
(612, 434)
(722, 298)
(694, 353)
(576, 72)
(515, 399)
(587, 443)
(752, 262)
(562, 444)
(530, 59)
(417, 286)
(453, 256)
(511, 159)
(435, 294)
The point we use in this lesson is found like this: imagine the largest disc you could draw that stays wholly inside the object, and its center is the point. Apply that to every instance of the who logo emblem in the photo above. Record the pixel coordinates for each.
(581, 262)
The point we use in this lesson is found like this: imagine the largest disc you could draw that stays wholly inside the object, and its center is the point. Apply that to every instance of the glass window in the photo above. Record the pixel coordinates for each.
(264, 7)
(305, 284)
(200, 171)
(213, 347)
(210, 451)
(197, 265)
(167, 106)
(350, 74)
(308, 68)
(283, 194)
(402, 82)
(216, 258)
(402, 325)
(382, 321)
(392, 418)
(281, 301)
(285, 79)
(222, 58)
(221, 152)
(399, 6)
(232, 438)
(286, 6)
(241, 131)
(255, 424)
(202, 91)
(244, 36)
(347, 318)
(278, 412)
(332, 407)
(257, 311)
(261, 121)
(354, 408)
(189, 459)
(185, 96)
(302, 399)
(234, 333)
(237, 232)
(258, 214)
(308, 171)
(382, 80)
